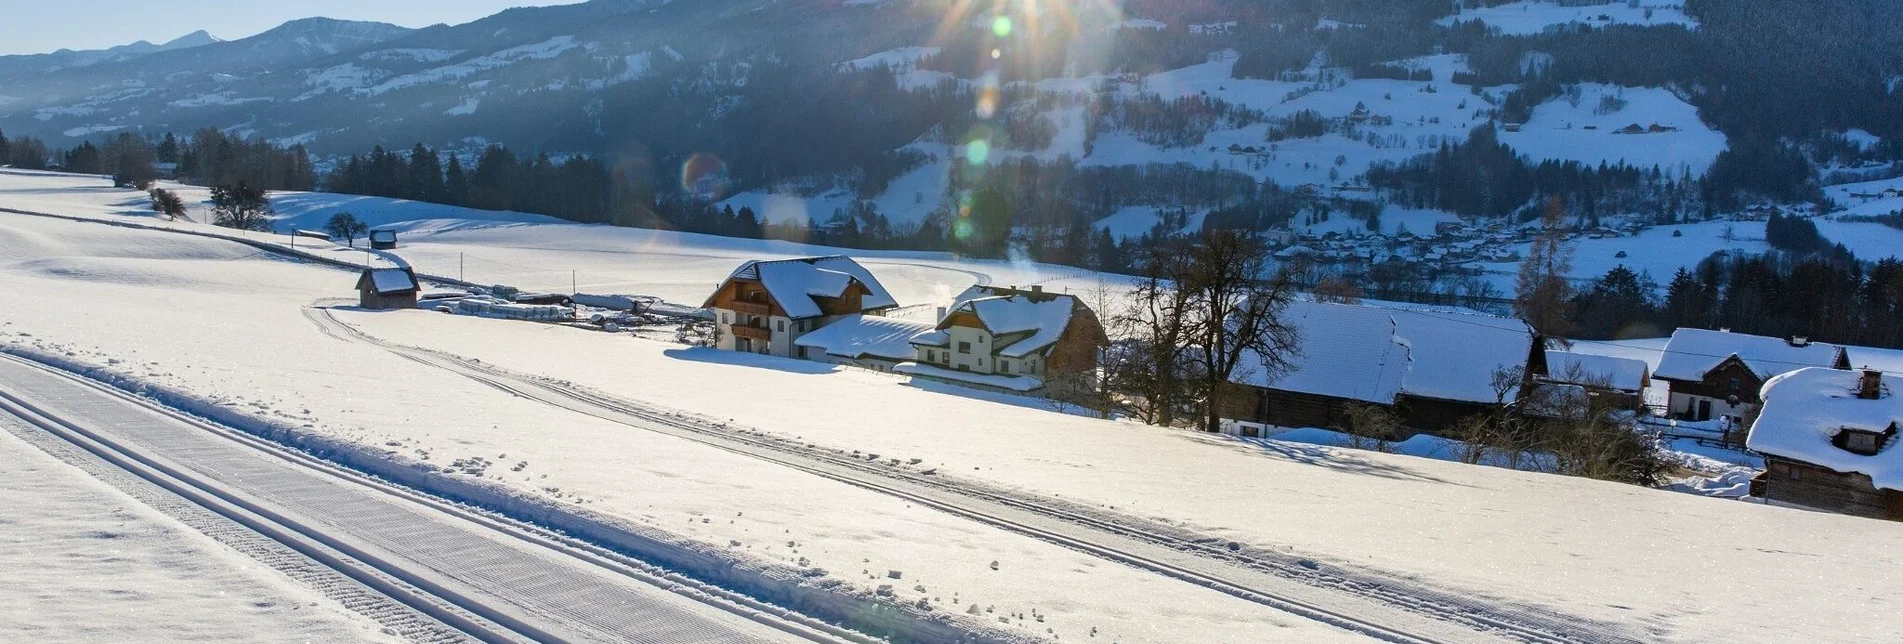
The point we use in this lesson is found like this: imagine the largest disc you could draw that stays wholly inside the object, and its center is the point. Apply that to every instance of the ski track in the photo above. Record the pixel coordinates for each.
(476, 579)
(1368, 602)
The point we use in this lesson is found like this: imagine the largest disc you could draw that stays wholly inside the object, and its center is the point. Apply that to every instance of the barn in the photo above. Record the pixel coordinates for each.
(1828, 439)
(1431, 367)
(387, 288)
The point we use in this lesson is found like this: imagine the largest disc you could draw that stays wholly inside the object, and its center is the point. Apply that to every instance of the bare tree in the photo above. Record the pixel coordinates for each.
(1372, 427)
(1147, 359)
(1235, 319)
(1541, 290)
(347, 226)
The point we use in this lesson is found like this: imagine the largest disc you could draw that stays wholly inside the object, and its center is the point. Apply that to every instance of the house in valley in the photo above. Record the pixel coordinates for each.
(1829, 437)
(1621, 382)
(1431, 367)
(1008, 339)
(1719, 373)
(387, 288)
(765, 306)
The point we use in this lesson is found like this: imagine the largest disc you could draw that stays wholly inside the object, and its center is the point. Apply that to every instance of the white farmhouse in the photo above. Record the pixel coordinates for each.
(766, 306)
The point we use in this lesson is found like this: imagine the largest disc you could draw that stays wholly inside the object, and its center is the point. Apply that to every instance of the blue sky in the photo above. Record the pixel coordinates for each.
(32, 27)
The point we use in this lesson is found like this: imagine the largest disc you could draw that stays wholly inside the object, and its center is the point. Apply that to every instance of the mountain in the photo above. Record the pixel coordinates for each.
(24, 65)
(1310, 113)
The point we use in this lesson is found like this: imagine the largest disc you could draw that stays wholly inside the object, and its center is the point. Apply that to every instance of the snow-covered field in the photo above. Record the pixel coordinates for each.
(1583, 129)
(224, 322)
(85, 562)
(1531, 16)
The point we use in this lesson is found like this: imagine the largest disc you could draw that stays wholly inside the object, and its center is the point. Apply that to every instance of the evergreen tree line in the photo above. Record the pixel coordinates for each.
(1821, 297)
(26, 153)
(1484, 177)
(578, 188)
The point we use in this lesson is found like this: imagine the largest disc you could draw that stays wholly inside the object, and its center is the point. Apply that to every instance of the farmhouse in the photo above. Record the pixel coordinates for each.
(1623, 380)
(1829, 442)
(383, 240)
(1009, 339)
(387, 288)
(764, 306)
(1719, 373)
(1431, 367)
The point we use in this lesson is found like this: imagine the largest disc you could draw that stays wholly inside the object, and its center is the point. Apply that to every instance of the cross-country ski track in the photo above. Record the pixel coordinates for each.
(1381, 607)
(475, 577)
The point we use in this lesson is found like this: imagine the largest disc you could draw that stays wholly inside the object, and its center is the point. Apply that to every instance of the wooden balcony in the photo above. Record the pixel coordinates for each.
(749, 308)
(752, 333)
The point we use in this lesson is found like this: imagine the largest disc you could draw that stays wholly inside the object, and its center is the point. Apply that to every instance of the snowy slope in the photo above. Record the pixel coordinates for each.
(1559, 131)
(87, 563)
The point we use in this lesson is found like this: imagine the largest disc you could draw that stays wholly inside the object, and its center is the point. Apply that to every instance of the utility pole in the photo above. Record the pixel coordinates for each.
(459, 268)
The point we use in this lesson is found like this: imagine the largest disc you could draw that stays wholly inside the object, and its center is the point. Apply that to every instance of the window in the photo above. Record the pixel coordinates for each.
(782, 325)
(1004, 367)
(964, 347)
(726, 318)
(1860, 442)
(1735, 385)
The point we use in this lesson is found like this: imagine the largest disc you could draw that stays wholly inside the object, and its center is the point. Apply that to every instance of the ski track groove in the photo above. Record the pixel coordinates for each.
(1449, 617)
(469, 584)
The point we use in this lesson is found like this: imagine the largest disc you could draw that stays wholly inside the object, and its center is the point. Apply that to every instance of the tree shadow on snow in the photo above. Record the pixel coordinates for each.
(715, 356)
(1340, 459)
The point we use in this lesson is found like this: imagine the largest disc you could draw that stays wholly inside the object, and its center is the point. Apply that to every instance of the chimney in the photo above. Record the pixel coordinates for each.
(1870, 386)
(1037, 288)
(1799, 341)
(941, 314)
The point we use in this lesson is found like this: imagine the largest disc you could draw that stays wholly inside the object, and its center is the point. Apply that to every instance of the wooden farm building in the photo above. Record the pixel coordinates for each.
(1829, 442)
(387, 288)
(1431, 367)
(1010, 339)
(1719, 373)
(1620, 381)
(765, 306)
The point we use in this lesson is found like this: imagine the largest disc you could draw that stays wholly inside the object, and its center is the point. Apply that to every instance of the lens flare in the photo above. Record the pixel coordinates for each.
(978, 152)
(988, 103)
(704, 176)
(1001, 26)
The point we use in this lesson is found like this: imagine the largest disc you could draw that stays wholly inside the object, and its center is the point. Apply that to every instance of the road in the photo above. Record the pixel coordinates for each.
(1367, 602)
(480, 576)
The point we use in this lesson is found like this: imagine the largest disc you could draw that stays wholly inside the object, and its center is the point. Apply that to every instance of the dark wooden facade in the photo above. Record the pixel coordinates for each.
(751, 297)
(1729, 378)
(1799, 483)
(370, 298)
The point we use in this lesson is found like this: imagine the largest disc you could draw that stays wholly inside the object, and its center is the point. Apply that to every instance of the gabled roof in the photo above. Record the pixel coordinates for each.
(1043, 315)
(1375, 353)
(386, 281)
(1623, 374)
(1805, 409)
(793, 283)
(859, 335)
(1692, 353)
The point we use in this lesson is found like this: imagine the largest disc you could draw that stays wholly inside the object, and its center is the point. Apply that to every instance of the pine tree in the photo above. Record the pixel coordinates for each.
(1541, 290)
(455, 183)
(425, 175)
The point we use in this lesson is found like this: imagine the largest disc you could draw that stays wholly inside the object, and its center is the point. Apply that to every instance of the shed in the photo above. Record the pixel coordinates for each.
(382, 240)
(387, 288)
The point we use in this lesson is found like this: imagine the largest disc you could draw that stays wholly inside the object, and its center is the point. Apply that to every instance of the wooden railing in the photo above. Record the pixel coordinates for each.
(754, 333)
(749, 308)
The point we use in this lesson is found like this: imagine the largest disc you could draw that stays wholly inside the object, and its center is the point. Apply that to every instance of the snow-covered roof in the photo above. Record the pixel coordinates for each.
(1013, 383)
(1044, 316)
(1805, 409)
(389, 280)
(1374, 353)
(1692, 353)
(794, 283)
(1623, 374)
(860, 335)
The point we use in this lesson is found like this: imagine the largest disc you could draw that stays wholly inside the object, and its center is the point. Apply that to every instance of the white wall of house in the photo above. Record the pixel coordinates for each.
(1686, 405)
(977, 344)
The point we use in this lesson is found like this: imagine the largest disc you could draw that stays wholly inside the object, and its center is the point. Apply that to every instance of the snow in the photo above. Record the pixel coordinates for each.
(1694, 352)
(1654, 250)
(391, 280)
(1623, 374)
(1374, 353)
(87, 563)
(1528, 17)
(1138, 23)
(535, 51)
(1558, 131)
(251, 349)
(1007, 314)
(1010, 383)
(467, 107)
(1804, 409)
(794, 283)
(1595, 550)
(412, 54)
(1862, 138)
(860, 335)
(900, 57)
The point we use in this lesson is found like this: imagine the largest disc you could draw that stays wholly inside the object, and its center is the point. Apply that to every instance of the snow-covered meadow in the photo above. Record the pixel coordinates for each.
(226, 322)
